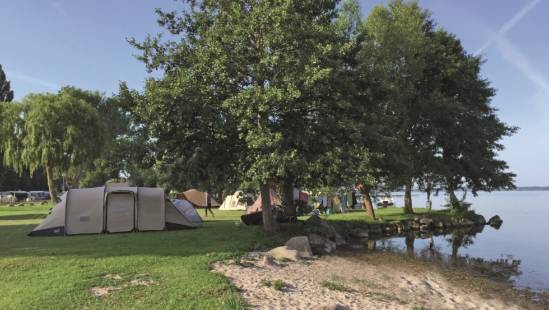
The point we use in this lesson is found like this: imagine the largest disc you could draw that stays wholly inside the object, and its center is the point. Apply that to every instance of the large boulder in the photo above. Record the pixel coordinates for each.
(321, 245)
(283, 253)
(316, 225)
(301, 245)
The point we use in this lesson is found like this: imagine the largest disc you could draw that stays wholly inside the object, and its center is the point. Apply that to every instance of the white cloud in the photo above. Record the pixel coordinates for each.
(508, 25)
(32, 80)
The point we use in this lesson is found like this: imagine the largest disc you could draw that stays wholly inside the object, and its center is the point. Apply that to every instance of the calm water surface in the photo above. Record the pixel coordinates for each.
(523, 237)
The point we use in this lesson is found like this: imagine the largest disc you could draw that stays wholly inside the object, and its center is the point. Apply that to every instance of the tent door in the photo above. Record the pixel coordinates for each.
(120, 213)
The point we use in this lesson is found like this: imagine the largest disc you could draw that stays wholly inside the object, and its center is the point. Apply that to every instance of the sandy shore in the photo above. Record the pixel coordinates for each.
(376, 280)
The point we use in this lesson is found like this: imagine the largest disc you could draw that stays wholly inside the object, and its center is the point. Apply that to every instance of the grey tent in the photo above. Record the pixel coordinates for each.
(187, 209)
(112, 209)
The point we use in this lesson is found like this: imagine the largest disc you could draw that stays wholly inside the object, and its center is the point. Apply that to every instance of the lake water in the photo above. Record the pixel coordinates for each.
(523, 237)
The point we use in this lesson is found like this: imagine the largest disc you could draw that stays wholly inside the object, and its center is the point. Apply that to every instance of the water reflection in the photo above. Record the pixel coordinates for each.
(443, 247)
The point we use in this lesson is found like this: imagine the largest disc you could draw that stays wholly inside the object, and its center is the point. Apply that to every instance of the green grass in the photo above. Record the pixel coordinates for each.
(383, 215)
(59, 272)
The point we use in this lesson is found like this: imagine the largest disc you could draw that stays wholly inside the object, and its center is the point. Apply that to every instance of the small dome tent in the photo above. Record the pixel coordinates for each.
(232, 202)
(197, 198)
(112, 209)
(187, 209)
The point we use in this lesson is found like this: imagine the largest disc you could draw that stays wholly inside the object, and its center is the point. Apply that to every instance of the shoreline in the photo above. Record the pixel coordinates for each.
(369, 279)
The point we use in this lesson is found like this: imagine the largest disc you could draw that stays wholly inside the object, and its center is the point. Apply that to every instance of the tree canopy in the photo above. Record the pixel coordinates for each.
(54, 132)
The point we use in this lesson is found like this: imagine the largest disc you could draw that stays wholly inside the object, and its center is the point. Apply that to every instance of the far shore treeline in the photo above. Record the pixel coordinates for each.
(253, 94)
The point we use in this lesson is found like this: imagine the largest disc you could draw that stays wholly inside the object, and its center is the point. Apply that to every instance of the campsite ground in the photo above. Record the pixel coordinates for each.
(155, 270)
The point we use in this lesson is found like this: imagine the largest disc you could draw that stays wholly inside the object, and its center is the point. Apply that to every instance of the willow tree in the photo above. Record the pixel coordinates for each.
(51, 132)
(269, 65)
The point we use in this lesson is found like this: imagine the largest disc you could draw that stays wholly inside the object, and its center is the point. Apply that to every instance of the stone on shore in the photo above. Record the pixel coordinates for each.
(301, 245)
(283, 253)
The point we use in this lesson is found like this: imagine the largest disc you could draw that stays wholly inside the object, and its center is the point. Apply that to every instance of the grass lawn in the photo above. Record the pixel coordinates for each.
(383, 215)
(59, 272)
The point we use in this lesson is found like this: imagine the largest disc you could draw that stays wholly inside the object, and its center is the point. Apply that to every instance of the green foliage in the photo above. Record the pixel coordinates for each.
(6, 94)
(254, 88)
(60, 133)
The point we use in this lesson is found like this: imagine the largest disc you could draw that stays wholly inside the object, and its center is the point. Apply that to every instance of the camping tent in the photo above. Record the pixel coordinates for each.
(232, 202)
(187, 209)
(197, 198)
(256, 207)
(112, 209)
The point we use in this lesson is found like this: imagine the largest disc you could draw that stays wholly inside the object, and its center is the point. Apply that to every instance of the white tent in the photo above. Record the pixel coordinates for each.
(187, 209)
(232, 202)
(112, 209)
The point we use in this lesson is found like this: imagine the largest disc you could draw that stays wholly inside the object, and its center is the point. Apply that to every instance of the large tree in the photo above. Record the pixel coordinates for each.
(9, 179)
(394, 57)
(268, 66)
(54, 132)
(464, 127)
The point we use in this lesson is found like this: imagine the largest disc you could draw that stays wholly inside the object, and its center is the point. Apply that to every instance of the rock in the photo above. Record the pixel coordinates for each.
(375, 229)
(301, 245)
(406, 226)
(417, 219)
(426, 221)
(438, 223)
(283, 253)
(389, 228)
(356, 246)
(268, 261)
(424, 228)
(339, 240)
(329, 246)
(467, 222)
(315, 224)
(359, 233)
(415, 225)
(334, 306)
(495, 221)
(320, 244)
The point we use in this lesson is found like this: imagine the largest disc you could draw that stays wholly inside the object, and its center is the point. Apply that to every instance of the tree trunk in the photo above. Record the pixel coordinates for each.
(368, 205)
(51, 186)
(288, 200)
(408, 199)
(454, 202)
(353, 199)
(268, 219)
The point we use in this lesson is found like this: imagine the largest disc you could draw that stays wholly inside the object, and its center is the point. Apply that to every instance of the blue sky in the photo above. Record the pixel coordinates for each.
(49, 43)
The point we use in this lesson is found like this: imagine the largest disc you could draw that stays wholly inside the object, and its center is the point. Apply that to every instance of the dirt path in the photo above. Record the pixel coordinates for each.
(374, 281)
